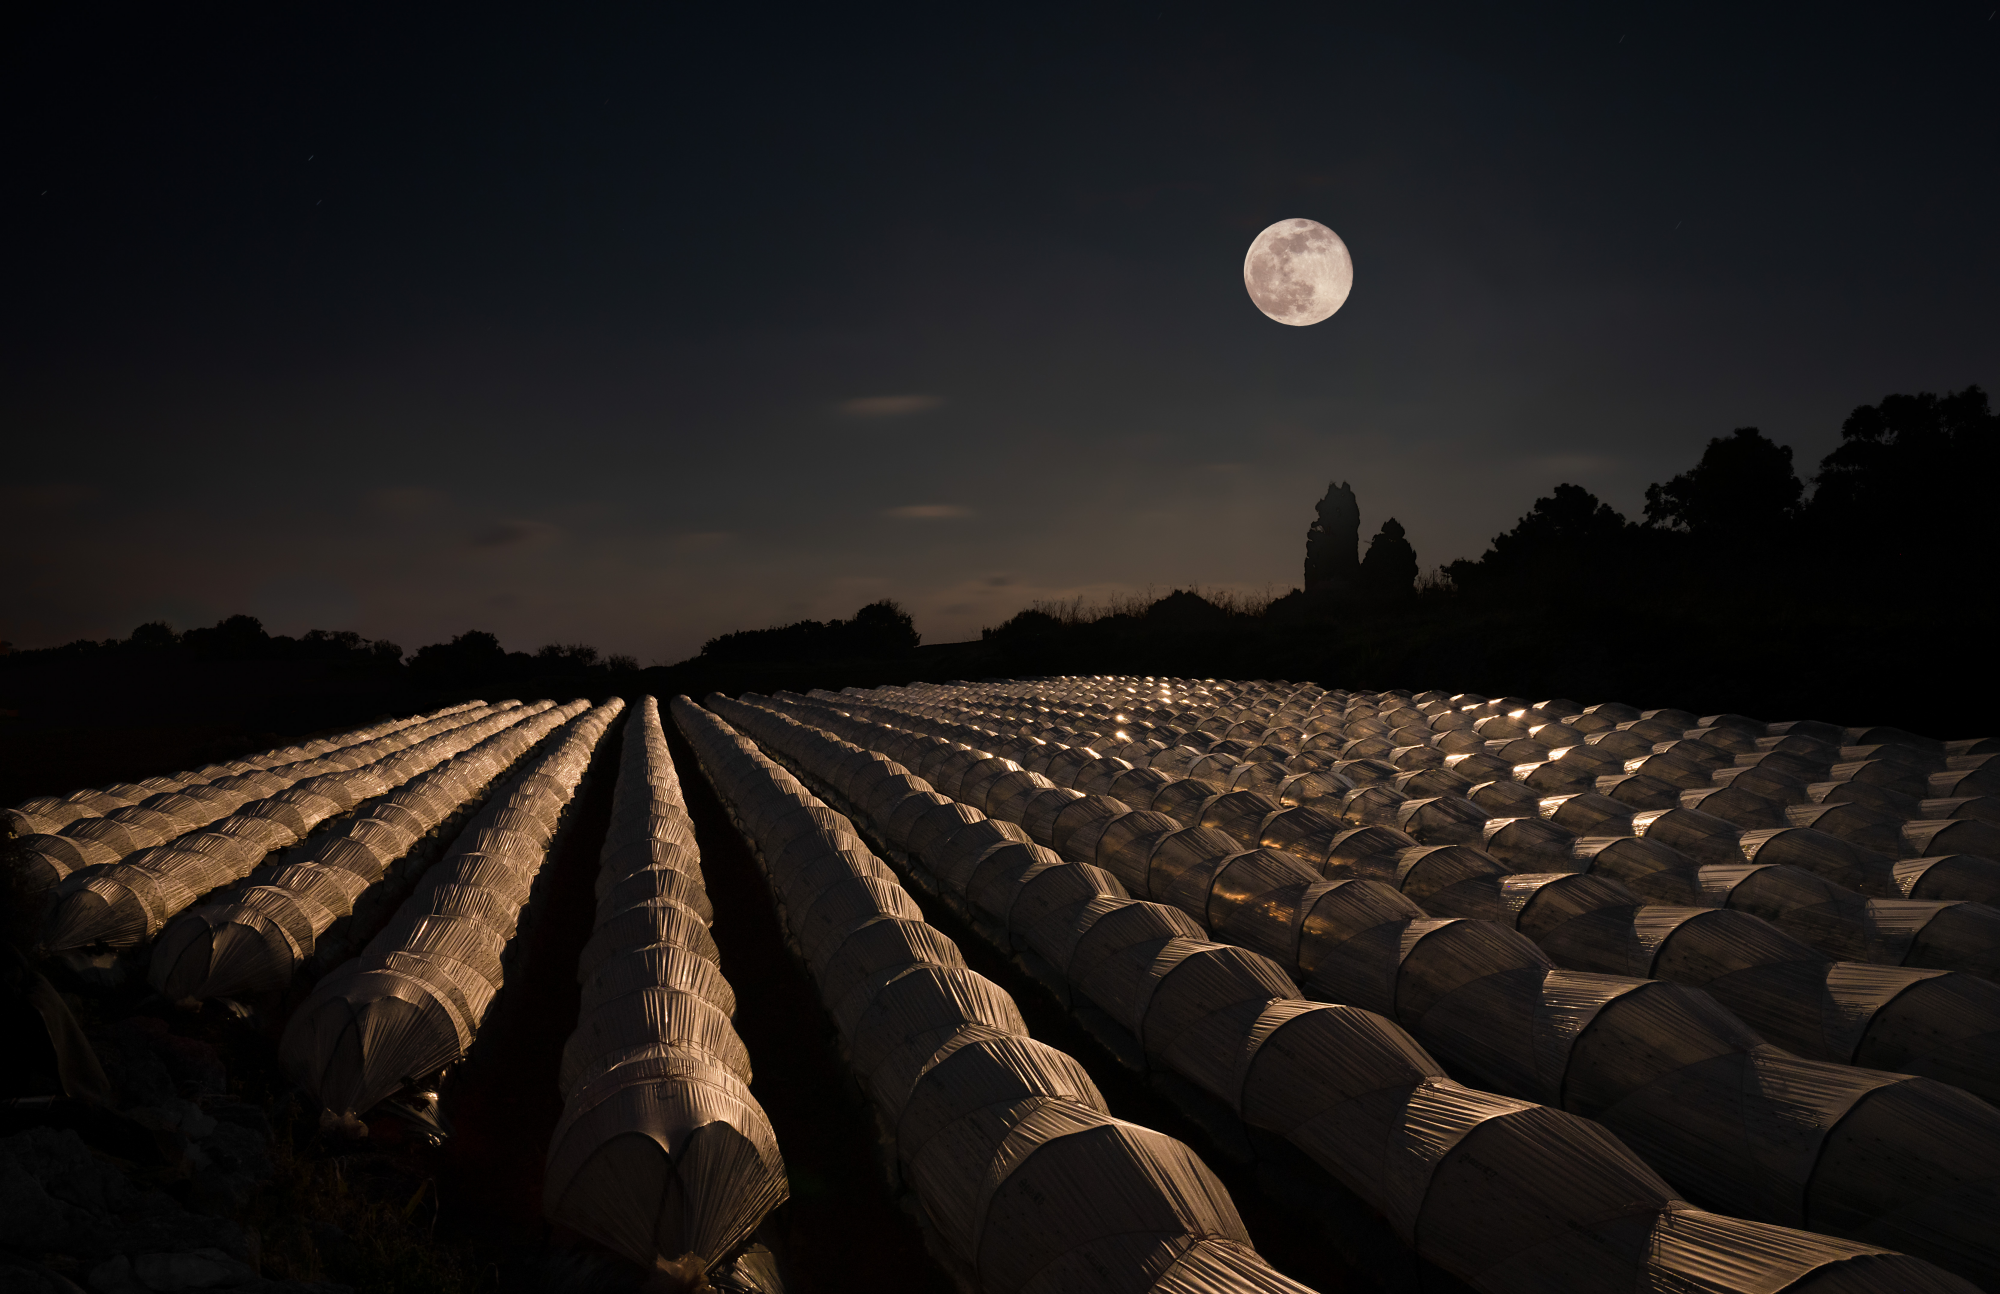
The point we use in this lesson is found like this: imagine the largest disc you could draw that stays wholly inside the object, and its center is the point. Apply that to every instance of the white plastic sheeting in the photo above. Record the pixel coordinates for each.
(411, 1003)
(1734, 1122)
(93, 828)
(1920, 1021)
(1337, 751)
(1029, 1183)
(254, 940)
(662, 1153)
(181, 852)
(1843, 923)
(1882, 808)
(47, 813)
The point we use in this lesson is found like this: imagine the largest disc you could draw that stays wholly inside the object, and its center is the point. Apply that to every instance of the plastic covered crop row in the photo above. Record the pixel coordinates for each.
(1773, 761)
(1939, 1024)
(88, 845)
(1924, 1021)
(1659, 873)
(167, 807)
(181, 856)
(410, 1004)
(1612, 768)
(1451, 757)
(1455, 783)
(1025, 1178)
(662, 1153)
(1840, 922)
(1943, 934)
(1735, 1123)
(253, 941)
(50, 814)
(1505, 1194)
(1938, 935)
(1252, 711)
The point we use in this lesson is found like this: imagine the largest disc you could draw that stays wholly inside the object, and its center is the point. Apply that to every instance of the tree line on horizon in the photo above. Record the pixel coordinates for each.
(1888, 553)
(878, 629)
(471, 658)
(1896, 518)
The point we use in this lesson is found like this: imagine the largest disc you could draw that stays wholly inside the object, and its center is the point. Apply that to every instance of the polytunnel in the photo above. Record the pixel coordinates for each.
(412, 1002)
(1505, 1194)
(1644, 864)
(49, 814)
(161, 871)
(1028, 1183)
(662, 1153)
(93, 829)
(252, 942)
(1459, 1014)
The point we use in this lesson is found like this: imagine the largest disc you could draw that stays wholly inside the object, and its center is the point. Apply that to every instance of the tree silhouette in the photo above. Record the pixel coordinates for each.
(1332, 541)
(577, 655)
(470, 658)
(236, 638)
(1911, 476)
(1743, 487)
(1184, 609)
(1024, 624)
(882, 629)
(1564, 541)
(155, 634)
(1389, 571)
(878, 629)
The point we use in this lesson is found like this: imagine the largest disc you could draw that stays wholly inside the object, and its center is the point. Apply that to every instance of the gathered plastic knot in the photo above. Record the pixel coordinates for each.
(687, 1274)
(346, 1123)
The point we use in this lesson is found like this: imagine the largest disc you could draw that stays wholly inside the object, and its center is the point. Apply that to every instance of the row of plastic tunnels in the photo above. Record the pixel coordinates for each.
(1566, 998)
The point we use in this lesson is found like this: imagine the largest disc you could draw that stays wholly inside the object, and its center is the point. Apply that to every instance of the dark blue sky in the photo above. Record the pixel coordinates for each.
(554, 323)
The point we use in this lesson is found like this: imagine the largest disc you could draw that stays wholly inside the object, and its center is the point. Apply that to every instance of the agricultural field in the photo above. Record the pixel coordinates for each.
(1018, 987)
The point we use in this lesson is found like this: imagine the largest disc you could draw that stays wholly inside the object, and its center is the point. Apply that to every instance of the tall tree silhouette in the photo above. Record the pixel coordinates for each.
(1333, 540)
(1743, 487)
(1389, 571)
(1557, 549)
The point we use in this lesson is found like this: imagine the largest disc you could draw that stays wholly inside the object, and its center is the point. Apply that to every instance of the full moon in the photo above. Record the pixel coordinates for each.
(1298, 272)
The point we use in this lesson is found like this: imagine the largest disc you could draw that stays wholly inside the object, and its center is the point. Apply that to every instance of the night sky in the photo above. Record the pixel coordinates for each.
(629, 327)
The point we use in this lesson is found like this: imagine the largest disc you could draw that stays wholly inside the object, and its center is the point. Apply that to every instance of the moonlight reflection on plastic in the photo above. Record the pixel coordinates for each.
(1298, 272)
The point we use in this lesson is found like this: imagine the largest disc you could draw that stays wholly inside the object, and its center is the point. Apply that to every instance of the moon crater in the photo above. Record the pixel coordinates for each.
(1298, 272)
